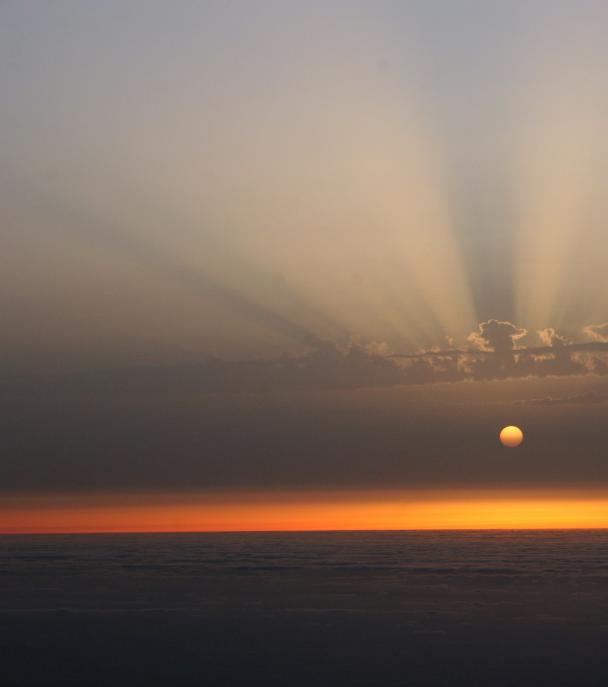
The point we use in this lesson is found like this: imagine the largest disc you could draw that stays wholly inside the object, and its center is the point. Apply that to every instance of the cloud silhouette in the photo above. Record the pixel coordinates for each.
(496, 336)
(495, 355)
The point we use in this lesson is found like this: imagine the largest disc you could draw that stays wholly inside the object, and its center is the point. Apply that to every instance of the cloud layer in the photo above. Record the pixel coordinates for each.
(494, 353)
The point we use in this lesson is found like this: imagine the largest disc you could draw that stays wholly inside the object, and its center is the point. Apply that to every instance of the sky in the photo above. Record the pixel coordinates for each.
(273, 255)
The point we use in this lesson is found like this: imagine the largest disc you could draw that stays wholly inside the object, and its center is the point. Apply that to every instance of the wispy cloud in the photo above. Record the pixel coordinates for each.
(597, 332)
(591, 398)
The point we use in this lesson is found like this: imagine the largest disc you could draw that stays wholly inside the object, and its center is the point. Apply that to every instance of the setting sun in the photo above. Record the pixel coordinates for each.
(511, 436)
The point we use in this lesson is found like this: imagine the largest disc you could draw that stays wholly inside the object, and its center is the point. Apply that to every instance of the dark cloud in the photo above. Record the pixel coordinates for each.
(496, 355)
(355, 365)
(496, 336)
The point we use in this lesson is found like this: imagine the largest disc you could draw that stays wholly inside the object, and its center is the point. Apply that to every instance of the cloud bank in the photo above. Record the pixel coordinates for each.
(495, 353)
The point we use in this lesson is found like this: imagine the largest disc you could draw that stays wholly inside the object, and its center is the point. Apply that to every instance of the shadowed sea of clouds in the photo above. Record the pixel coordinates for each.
(359, 608)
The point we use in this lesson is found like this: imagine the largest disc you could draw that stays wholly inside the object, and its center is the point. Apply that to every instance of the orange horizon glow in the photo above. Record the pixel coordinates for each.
(300, 511)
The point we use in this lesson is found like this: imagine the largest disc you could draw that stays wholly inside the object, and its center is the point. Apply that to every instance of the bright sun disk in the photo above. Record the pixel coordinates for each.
(511, 436)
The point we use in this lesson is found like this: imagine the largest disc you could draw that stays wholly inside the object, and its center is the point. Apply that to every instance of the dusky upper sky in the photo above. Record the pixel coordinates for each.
(235, 178)
(216, 216)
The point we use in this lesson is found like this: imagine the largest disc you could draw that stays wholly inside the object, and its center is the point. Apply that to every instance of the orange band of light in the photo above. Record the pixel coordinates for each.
(301, 511)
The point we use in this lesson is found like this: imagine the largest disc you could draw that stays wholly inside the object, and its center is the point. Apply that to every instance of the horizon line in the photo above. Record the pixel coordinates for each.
(41, 533)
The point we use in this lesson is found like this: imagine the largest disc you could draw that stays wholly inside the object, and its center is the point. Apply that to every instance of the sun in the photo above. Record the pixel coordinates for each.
(511, 436)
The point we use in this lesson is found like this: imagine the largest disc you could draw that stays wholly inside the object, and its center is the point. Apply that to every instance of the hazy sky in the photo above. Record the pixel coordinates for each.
(188, 178)
(189, 186)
